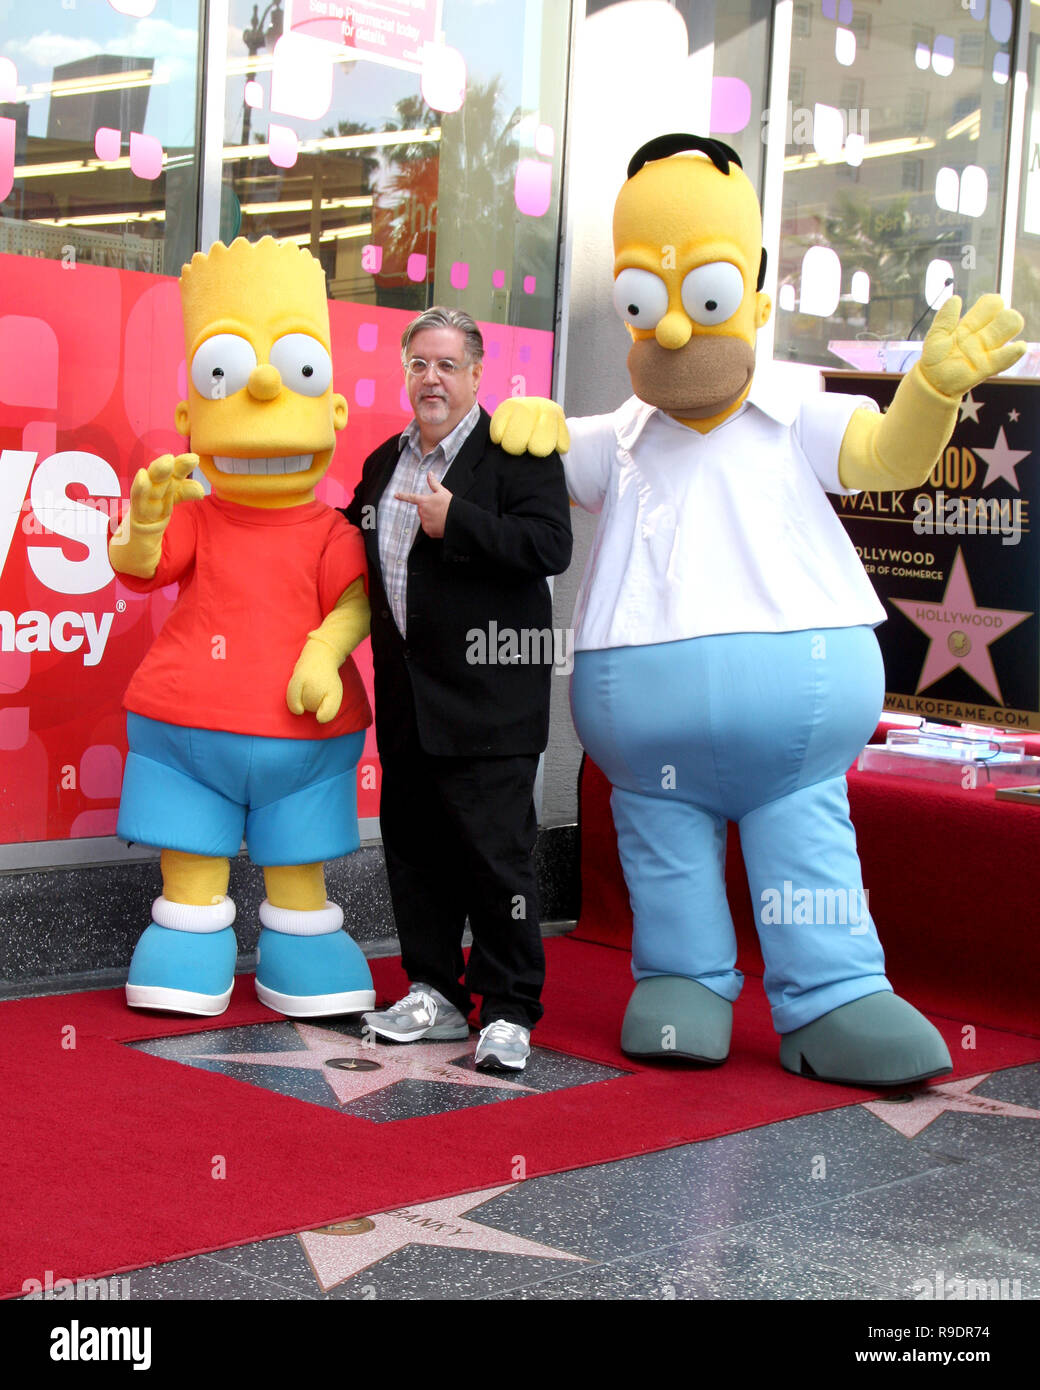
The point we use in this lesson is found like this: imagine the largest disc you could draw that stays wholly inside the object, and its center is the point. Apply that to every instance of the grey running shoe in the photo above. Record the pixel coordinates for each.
(503, 1045)
(422, 1013)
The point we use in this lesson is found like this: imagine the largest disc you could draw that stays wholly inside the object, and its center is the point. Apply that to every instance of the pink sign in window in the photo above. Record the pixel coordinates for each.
(283, 146)
(532, 188)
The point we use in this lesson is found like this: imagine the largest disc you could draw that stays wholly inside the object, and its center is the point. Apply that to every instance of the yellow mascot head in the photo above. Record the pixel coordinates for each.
(689, 268)
(261, 413)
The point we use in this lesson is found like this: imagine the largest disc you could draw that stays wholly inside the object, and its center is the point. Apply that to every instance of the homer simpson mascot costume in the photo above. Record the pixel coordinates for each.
(247, 714)
(726, 666)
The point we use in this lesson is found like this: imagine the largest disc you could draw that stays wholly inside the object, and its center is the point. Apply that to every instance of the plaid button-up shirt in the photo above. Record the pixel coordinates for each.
(399, 521)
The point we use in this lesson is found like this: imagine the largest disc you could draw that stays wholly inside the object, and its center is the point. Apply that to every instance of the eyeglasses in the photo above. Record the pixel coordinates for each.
(444, 366)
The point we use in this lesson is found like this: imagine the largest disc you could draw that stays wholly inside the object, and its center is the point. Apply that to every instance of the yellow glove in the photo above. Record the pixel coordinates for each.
(136, 546)
(315, 683)
(900, 448)
(530, 425)
(960, 353)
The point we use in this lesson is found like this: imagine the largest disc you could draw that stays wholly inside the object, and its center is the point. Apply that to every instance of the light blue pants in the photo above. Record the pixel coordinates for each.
(758, 728)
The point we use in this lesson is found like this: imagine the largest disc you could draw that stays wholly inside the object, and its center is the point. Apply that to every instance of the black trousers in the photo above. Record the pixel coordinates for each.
(458, 838)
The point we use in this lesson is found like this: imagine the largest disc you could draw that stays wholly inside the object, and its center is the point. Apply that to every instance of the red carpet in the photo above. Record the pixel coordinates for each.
(952, 877)
(108, 1153)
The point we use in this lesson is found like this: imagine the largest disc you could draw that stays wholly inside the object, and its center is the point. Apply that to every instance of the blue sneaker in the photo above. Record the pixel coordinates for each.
(183, 972)
(313, 976)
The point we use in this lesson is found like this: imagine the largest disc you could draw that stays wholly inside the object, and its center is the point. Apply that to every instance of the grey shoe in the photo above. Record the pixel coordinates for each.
(503, 1046)
(878, 1040)
(422, 1013)
(672, 1018)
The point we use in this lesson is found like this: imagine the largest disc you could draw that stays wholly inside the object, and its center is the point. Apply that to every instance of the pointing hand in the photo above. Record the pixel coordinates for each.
(433, 506)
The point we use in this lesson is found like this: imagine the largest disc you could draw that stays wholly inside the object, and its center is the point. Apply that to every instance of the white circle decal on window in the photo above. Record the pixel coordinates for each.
(947, 188)
(936, 290)
(974, 191)
(828, 130)
(821, 282)
(845, 47)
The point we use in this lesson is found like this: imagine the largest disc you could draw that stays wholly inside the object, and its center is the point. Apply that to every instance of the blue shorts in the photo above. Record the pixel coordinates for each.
(198, 790)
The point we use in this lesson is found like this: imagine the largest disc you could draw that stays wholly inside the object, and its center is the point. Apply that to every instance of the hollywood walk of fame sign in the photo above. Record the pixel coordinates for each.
(956, 562)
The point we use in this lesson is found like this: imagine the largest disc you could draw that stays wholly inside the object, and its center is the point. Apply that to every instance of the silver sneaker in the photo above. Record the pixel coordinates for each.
(422, 1013)
(503, 1045)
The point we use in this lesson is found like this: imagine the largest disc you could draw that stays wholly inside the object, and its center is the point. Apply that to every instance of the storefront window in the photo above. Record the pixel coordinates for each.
(98, 132)
(896, 142)
(740, 114)
(416, 151)
(414, 146)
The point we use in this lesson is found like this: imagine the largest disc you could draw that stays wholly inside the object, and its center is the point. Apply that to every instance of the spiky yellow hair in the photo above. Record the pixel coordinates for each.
(234, 281)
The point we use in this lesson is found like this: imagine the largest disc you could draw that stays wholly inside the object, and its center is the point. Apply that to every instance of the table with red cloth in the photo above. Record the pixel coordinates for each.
(953, 877)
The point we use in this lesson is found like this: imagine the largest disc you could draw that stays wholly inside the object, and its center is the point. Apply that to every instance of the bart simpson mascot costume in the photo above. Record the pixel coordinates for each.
(247, 714)
(726, 666)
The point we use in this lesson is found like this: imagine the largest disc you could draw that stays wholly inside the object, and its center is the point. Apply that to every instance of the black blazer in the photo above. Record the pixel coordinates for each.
(508, 527)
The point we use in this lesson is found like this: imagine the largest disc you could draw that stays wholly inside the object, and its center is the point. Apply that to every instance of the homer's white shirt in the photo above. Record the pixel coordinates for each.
(729, 531)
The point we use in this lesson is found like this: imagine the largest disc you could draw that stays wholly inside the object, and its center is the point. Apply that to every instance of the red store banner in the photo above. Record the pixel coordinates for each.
(91, 369)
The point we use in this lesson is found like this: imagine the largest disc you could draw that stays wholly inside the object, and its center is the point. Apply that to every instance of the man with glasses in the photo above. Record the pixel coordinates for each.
(460, 539)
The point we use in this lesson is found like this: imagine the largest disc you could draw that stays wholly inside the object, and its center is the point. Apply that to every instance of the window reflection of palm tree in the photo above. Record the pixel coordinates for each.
(479, 153)
(404, 214)
(475, 162)
(880, 239)
(480, 148)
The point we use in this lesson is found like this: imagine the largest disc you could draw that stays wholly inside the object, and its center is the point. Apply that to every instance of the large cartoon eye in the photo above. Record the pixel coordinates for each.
(222, 366)
(713, 293)
(640, 298)
(303, 364)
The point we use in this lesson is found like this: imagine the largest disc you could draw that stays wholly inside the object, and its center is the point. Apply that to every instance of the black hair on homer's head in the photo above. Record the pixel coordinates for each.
(720, 154)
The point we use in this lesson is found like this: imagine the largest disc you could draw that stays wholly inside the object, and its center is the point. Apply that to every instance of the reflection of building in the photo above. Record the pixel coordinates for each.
(927, 93)
(83, 101)
(76, 191)
(19, 113)
(123, 251)
(404, 224)
(14, 129)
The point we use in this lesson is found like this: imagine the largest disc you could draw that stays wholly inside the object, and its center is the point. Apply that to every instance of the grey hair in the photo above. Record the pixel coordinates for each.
(439, 317)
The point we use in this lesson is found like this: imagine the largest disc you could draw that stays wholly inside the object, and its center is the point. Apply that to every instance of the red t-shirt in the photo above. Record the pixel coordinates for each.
(253, 582)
